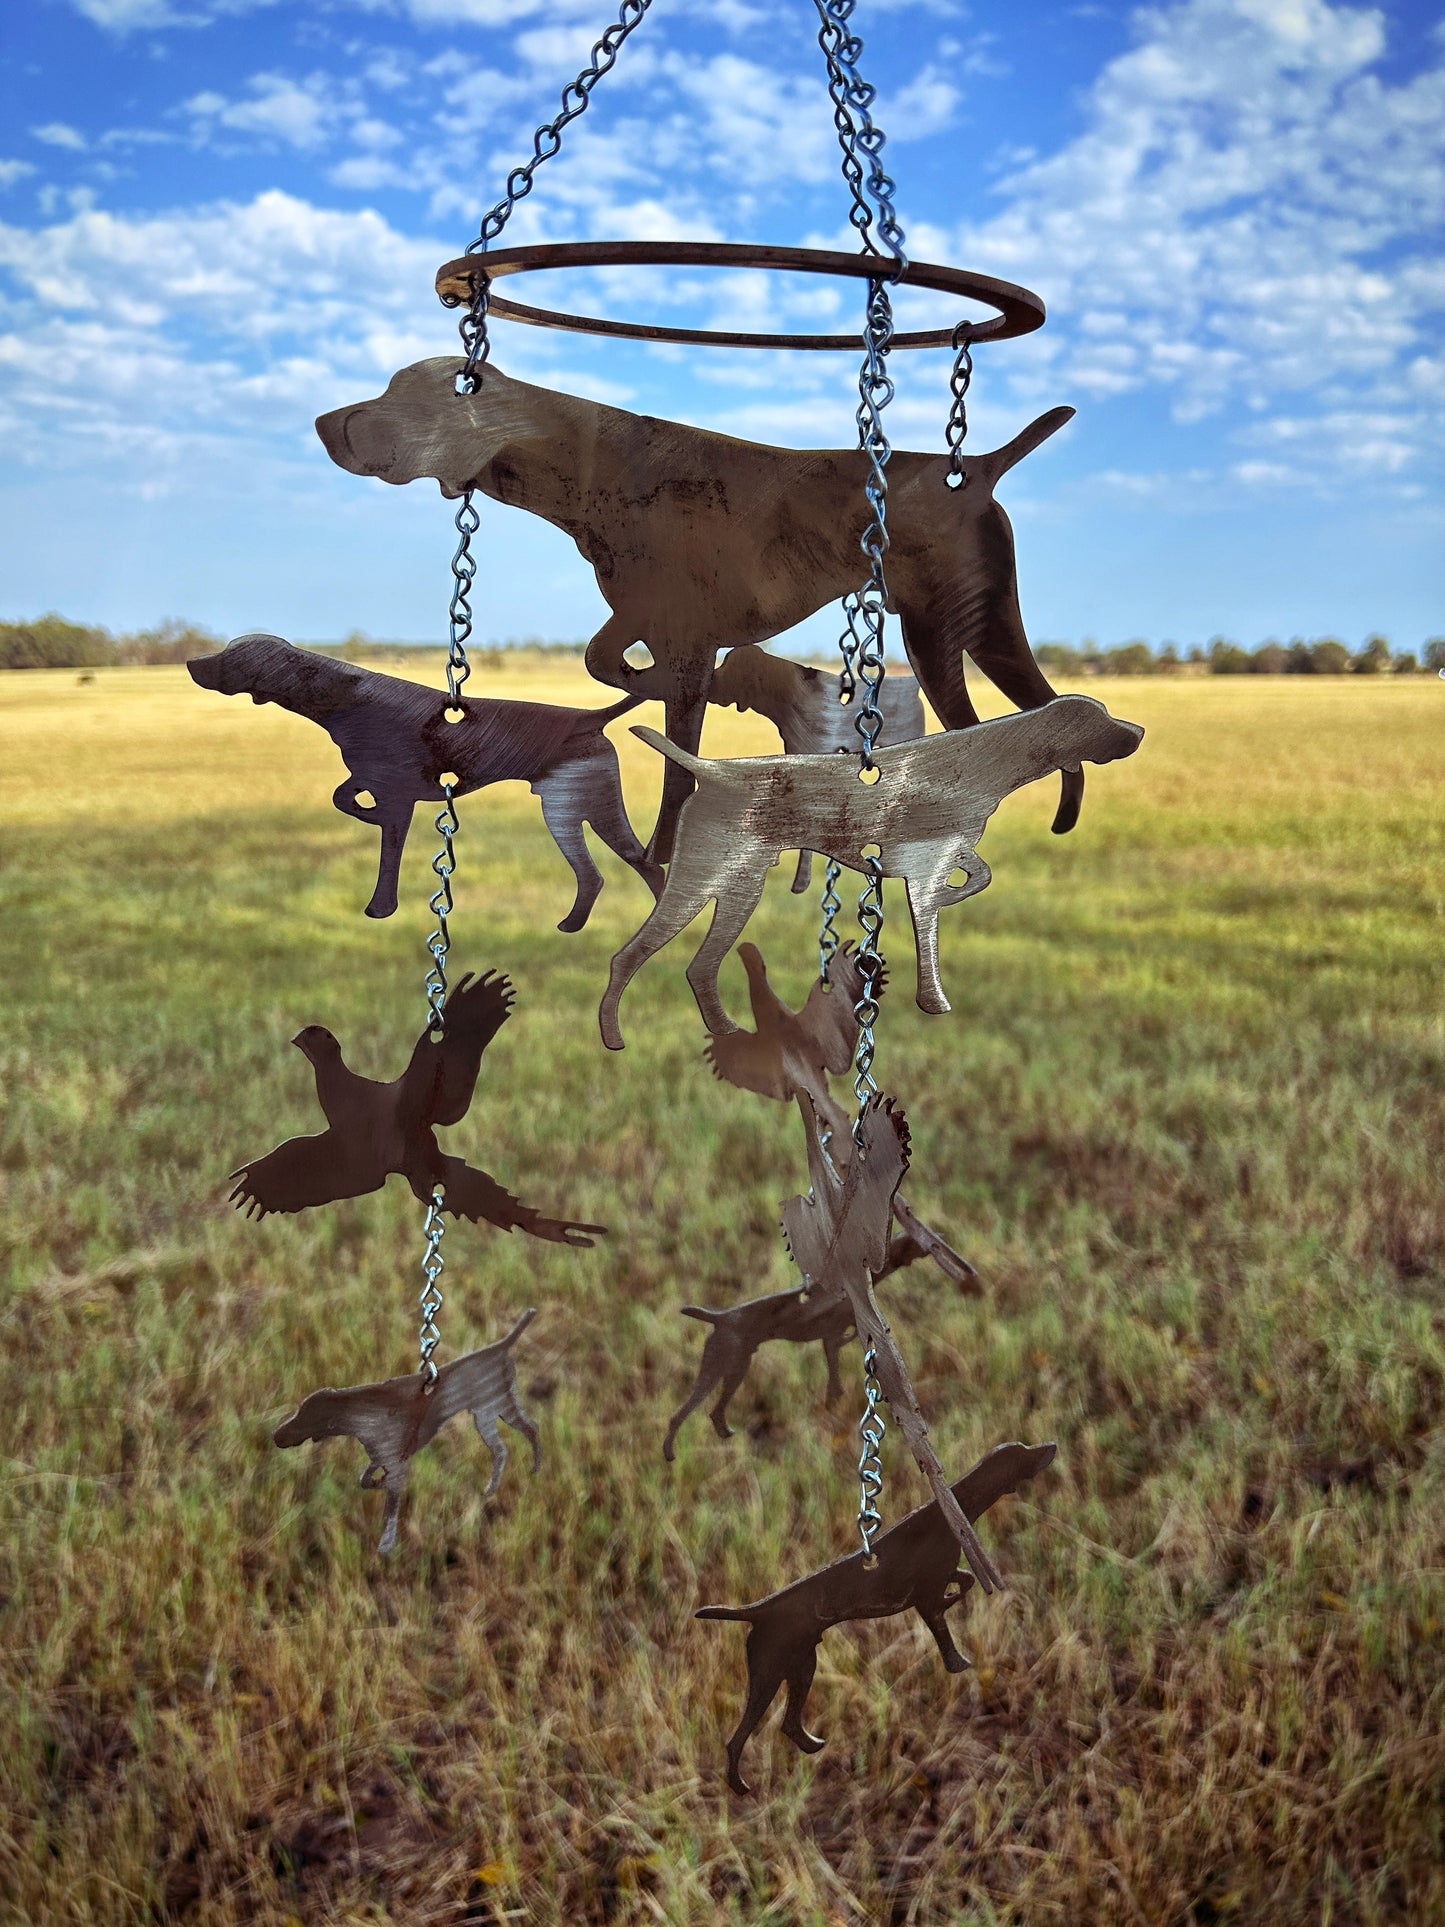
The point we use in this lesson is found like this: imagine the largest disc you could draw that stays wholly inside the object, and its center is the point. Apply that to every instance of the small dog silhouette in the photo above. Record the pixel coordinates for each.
(395, 1417)
(916, 1564)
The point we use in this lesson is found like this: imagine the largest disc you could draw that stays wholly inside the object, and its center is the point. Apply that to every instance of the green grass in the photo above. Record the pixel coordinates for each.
(1188, 1118)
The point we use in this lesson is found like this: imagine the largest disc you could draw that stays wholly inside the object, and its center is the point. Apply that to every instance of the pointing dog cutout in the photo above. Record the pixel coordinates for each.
(397, 742)
(926, 812)
(807, 708)
(797, 1317)
(395, 1417)
(701, 542)
(916, 1566)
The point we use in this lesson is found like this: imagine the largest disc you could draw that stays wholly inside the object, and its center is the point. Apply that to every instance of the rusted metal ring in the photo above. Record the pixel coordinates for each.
(1019, 310)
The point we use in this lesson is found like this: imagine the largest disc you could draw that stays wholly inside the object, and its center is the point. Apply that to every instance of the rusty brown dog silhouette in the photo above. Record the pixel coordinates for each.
(916, 1566)
(926, 812)
(701, 542)
(395, 1417)
(805, 706)
(396, 742)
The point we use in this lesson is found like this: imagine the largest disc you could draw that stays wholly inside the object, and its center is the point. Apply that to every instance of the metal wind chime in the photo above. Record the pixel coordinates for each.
(702, 545)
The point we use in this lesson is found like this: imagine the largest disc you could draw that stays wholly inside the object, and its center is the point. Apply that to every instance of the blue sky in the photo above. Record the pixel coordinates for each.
(221, 217)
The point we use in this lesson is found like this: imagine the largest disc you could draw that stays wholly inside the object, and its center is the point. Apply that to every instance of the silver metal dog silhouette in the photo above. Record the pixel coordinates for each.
(395, 1417)
(925, 813)
(806, 707)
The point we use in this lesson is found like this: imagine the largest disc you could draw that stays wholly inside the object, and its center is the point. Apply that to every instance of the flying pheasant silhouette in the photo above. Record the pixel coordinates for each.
(794, 1050)
(376, 1129)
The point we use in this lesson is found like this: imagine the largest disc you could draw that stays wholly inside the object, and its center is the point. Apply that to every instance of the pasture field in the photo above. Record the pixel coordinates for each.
(1188, 1119)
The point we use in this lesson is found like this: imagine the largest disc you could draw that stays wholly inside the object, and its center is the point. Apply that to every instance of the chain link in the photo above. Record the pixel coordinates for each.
(958, 381)
(431, 1295)
(870, 1459)
(441, 904)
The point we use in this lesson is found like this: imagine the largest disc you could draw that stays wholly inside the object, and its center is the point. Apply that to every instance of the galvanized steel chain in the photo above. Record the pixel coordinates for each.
(546, 141)
(430, 1299)
(870, 1459)
(861, 644)
(476, 345)
(438, 944)
(958, 381)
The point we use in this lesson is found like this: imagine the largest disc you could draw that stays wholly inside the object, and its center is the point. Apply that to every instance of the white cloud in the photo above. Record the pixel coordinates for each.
(299, 114)
(1242, 218)
(56, 133)
(13, 171)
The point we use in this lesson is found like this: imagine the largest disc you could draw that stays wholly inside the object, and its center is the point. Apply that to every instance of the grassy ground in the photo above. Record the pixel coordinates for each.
(1188, 1118)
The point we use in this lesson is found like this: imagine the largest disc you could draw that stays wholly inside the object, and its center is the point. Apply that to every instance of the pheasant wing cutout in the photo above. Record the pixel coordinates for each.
(375, 1130)
(795, 1050)
(395, 1417)
(839, 1240)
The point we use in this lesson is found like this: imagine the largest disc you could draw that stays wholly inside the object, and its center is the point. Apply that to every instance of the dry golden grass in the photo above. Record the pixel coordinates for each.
(1189, 1120)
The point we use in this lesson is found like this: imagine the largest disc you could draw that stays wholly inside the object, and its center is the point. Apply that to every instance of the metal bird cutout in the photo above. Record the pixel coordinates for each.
(395, 1417)
(916, 1565)
(794, 1050)
(838, 1235)
(397, 742)
(375, 1129)
(702, 542)
(926, 812)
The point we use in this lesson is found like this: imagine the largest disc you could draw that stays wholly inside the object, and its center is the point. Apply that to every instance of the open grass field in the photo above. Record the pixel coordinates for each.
(1188, 1119)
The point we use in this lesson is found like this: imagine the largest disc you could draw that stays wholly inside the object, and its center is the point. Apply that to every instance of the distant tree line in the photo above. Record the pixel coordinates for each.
(1327, 657)
(50, 642)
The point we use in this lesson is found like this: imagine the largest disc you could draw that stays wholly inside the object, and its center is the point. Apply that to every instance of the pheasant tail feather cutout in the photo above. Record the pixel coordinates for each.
(838, 1235)
(916, 1566)
(374, 1130)
(396, 1417)
(789, 1051)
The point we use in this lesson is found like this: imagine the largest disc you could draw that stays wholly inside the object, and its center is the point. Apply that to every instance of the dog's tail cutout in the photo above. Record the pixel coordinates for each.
(668, 748)
(724, 1612)
(701, 1311)
(597, 717)
(521, 1325)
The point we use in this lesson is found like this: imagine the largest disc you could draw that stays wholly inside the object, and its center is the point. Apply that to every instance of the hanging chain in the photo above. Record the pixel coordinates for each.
(440, 941)
(431, 1294)
(958, 381)
(476, 345)
(870, 1459)
(546, 141)
(871, 190)
(872, 214)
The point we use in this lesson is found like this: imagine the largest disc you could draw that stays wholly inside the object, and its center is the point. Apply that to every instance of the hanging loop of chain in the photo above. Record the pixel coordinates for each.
(870, 1459)
(958, 381)
(546, 141)
(430, 1299)
(441, 904)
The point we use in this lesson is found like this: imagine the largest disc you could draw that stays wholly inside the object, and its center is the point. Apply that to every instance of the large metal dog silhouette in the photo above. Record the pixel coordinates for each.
(926, 812)
(702, 542)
